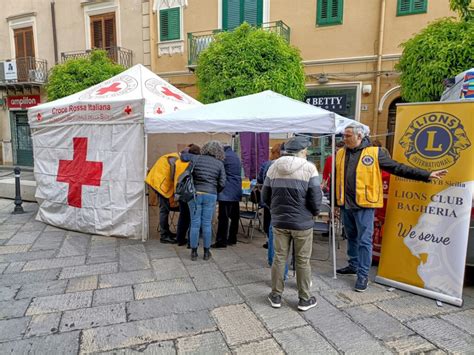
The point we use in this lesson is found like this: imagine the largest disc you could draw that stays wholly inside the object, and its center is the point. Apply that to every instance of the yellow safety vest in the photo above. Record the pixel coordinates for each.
(161, 176)
(369, 187)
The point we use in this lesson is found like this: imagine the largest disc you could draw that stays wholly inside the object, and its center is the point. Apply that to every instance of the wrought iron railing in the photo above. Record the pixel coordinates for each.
(199, 41)
(28, 70)
(119, 55)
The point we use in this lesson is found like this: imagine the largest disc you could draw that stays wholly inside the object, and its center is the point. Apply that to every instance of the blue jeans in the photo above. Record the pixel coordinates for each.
(271, 250)
(359, 227)
(201, 210)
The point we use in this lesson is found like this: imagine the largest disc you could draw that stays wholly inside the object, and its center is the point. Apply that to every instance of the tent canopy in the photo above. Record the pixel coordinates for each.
(263, 112)
(124, 98)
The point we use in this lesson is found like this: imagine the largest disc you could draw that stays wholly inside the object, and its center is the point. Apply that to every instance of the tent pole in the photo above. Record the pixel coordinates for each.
(145, 227)
(333, 178)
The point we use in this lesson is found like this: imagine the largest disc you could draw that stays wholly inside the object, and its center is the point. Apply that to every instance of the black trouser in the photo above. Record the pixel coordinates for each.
(228, 210)
(183, 222)
(267, 218)
(164, 214)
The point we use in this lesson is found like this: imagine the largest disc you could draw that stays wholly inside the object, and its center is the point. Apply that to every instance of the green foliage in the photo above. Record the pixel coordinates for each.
(464, 8)
(442, 50)
(246, 61)
(78, 74)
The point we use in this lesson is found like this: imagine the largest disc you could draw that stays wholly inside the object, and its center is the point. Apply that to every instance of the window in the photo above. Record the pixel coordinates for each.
(329, 12)
(411, 7)
(170, 24)
(235, 12)
(24, 42)
(103, 33)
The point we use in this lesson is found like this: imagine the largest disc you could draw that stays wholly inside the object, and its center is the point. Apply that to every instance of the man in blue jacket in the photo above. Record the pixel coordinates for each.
(229, 200)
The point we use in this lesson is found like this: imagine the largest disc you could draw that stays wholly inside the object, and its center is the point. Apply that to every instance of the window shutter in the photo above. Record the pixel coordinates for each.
(96, 26)
(253, 12)
(419, 6)
(329, 12)
(19, 45)
(109, 32)
(231, 13)
(170, 24)
(24, 42)
(409, 7)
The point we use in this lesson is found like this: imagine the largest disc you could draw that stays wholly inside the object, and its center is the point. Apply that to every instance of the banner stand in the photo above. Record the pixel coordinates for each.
(420, 291)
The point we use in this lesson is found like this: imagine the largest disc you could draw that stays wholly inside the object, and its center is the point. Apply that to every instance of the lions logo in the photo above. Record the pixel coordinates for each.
(367, 160)
(434, 141)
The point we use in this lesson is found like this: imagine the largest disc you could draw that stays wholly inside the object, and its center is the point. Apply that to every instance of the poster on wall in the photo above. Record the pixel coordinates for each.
(427, 224)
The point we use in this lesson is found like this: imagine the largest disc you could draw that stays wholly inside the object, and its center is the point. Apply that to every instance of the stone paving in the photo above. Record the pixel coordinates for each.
(67, 292)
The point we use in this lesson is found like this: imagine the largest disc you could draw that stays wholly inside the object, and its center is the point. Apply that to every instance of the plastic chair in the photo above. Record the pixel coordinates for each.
(252, 213)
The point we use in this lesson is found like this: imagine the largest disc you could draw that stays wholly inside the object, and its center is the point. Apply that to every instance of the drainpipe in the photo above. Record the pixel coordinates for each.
(55, 37)
(379, 65)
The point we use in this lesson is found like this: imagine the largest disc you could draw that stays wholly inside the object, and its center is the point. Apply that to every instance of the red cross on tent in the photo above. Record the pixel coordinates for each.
(168, 92)
(111, 88)
(128, 110)
(78, 172)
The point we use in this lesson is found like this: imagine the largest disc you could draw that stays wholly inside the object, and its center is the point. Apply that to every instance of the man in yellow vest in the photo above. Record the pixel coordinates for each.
(359, 191)
(161, 179)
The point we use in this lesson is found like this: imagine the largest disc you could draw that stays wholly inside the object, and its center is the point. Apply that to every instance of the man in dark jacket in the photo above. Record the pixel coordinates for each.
(293, 193)
(359, 191)
(229, 200)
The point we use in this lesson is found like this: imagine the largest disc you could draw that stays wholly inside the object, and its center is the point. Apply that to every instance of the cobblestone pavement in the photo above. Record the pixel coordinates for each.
(67, 292)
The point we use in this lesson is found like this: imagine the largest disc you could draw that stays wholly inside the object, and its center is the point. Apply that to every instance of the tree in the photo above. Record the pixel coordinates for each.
(78, 74)
(249, 60)
(464, 8)
(441, 50)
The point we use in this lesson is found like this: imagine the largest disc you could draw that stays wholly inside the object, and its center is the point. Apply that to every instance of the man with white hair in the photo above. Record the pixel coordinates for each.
(293, 193)
(359, 191)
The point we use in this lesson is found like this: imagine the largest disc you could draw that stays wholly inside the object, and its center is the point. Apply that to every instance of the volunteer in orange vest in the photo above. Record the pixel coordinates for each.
(359, 191)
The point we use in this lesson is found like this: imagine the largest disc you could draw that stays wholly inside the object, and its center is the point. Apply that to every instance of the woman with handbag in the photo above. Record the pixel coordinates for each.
(209, 179)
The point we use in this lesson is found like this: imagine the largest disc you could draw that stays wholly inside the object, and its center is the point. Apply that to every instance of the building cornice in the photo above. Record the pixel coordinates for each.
(349, 60)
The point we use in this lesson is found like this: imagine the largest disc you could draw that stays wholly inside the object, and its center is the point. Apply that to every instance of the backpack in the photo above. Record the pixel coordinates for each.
(185, 190)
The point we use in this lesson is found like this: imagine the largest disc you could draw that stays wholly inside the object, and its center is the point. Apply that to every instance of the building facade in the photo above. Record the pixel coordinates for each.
(349, 48)
(35, 35)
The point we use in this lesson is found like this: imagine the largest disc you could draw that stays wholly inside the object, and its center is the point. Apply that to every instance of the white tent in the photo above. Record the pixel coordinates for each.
(263, 112)
(90, 153)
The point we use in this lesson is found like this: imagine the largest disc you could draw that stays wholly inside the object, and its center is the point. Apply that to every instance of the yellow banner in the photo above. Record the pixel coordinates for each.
(426, 228)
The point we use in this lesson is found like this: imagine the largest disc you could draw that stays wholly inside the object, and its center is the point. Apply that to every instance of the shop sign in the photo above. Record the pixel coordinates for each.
(9, 69)
(331, 102)
(23, 102)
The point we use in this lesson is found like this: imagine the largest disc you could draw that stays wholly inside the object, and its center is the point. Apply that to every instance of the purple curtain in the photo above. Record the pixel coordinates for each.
(254, 150)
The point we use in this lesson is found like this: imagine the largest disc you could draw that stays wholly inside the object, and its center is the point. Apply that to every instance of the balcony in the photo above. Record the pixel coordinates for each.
(23, 72)
(118, 55)
(199, 41)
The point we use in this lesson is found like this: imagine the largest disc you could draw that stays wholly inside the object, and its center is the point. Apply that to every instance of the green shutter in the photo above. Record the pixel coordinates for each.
(329, 12)
(410, 7)
(231, 10)
(235, 12)
(170, 24)
(253, 12)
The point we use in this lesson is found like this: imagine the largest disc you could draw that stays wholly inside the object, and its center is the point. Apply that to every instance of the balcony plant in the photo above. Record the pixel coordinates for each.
(249, 60)
(75, 75)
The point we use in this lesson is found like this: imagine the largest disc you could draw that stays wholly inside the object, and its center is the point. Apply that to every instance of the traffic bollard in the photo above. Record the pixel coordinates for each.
(18, 201)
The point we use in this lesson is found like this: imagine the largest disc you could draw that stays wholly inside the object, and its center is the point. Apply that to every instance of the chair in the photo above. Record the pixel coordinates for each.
(252, 213)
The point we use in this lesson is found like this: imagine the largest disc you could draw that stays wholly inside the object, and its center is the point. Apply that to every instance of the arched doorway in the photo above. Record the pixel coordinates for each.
(392, 117)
